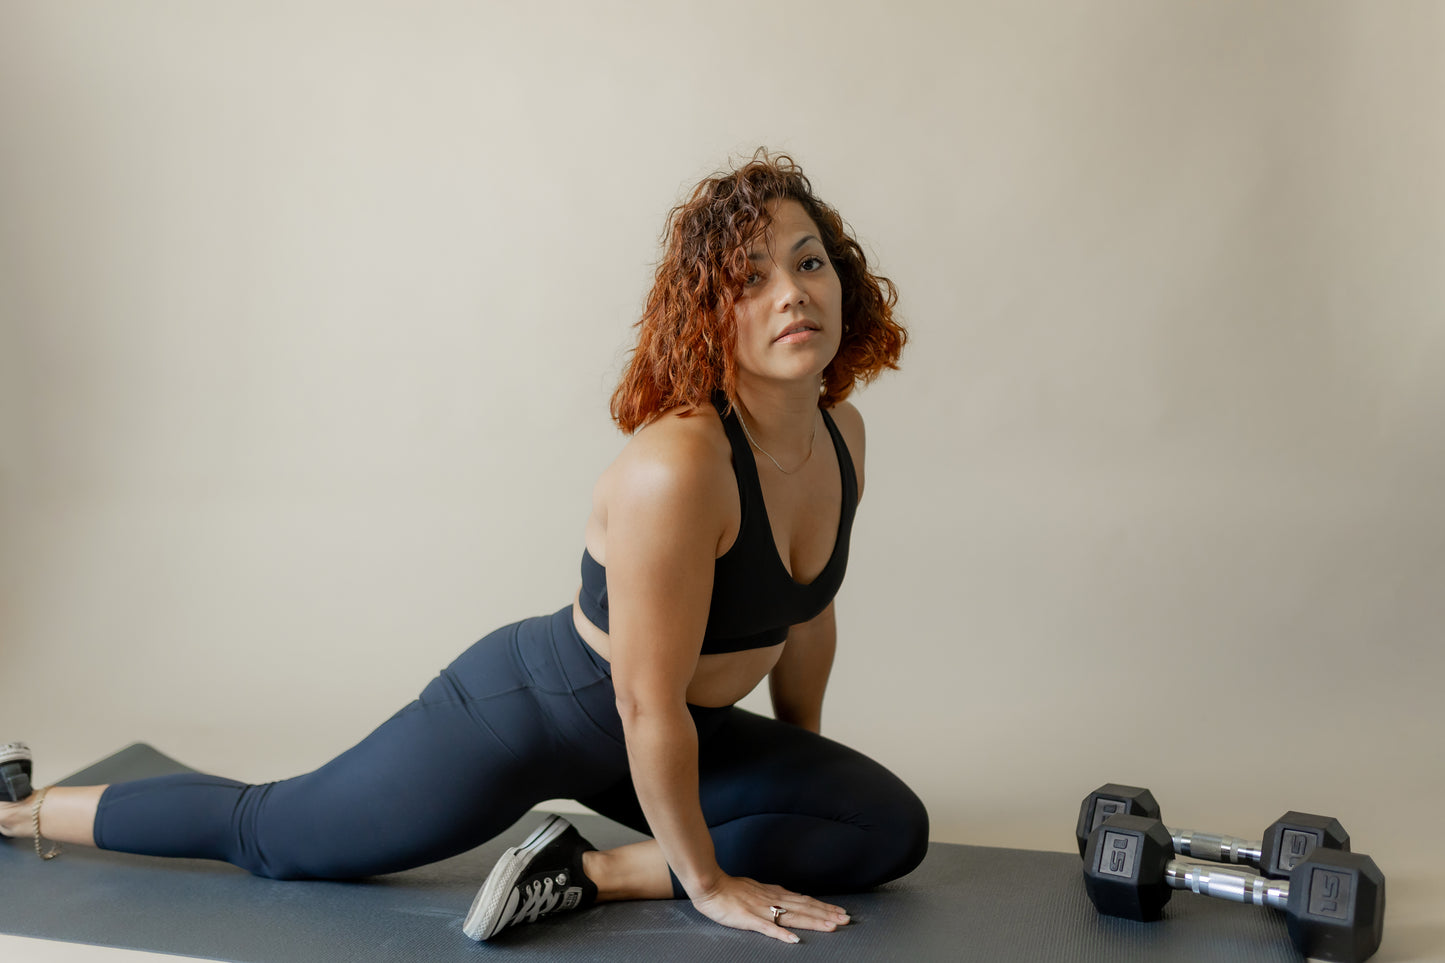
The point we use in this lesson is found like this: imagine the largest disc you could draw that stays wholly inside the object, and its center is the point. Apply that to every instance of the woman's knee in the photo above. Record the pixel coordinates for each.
(899, 837)
(885, 838)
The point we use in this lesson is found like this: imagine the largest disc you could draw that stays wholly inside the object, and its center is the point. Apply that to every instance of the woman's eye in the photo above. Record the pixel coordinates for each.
(752, 280)
(812, 263)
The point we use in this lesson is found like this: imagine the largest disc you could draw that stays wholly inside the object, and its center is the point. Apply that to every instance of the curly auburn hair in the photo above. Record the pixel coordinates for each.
(686, 346)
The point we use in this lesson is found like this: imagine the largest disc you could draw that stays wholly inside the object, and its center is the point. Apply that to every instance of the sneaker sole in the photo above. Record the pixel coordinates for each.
(12, 751)
(483, 920)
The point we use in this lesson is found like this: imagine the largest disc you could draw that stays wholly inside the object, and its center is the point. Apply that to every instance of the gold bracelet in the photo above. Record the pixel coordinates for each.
(35, 825)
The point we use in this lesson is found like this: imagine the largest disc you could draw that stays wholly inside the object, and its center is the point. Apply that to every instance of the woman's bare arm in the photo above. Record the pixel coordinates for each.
(798, 681)
(663, 526)
(667, 510)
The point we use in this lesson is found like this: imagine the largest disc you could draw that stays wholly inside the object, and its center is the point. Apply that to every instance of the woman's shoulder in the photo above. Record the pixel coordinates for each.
(680, 453)
(850, 424)
(684, 438)
(847, 417)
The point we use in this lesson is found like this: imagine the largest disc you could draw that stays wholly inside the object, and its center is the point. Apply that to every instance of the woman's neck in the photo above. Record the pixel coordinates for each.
(781, 418)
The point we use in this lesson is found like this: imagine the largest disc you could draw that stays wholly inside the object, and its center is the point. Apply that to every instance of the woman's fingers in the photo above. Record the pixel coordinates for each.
(762, 920)
(778, 933)
(747, 904)
(800, 912)
(797, 903)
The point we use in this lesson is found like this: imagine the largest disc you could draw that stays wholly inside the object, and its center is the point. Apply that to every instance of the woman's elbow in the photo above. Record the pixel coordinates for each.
(639, 705)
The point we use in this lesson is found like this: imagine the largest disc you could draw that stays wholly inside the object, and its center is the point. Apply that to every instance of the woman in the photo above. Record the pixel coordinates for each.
(715, 545)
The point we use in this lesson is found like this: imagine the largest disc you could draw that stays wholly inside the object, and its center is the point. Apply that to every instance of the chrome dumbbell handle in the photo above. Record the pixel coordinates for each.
(1217, 848)
(1227, 884)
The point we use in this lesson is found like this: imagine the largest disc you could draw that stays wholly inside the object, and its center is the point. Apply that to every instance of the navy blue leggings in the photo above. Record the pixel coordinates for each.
(524, 715)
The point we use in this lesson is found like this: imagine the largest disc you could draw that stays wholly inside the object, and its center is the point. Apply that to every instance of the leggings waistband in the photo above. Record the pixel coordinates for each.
(583, 668)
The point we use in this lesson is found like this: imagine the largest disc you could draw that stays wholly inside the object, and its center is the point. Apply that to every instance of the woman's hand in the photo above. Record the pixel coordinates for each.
(746, 904)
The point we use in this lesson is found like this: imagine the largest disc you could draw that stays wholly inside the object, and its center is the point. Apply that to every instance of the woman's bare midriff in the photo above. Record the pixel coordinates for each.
(720, 679)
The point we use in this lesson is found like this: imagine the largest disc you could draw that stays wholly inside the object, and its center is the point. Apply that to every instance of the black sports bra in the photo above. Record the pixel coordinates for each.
(754, 599)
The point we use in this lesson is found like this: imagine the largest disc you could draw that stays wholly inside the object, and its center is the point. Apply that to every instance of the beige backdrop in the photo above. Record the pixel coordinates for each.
(309, 315)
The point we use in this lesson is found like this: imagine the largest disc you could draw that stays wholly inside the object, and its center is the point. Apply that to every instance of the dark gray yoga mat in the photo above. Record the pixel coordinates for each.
(963, 903)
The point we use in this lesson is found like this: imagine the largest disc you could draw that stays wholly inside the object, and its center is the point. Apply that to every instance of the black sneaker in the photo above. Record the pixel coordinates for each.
(541, 877)
(15, 763)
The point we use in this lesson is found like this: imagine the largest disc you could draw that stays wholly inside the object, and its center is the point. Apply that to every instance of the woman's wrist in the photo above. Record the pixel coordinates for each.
(703, 884)
(693, 862)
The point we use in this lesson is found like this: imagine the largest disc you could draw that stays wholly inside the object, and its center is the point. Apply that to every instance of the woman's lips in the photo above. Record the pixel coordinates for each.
(794, 335)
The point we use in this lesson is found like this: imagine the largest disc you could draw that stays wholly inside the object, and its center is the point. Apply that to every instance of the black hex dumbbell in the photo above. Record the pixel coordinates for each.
(1333, 901)
(1286, 842)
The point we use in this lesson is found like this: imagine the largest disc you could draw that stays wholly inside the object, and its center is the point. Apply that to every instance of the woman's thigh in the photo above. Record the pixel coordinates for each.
(801, 810)
(789, 806)
(448, 772)
(486, 740)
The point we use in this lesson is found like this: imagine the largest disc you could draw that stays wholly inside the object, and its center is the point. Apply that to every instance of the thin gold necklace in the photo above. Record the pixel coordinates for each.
(811, 438)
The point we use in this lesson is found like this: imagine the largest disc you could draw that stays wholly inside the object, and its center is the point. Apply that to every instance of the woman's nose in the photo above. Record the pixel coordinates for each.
(789, 292)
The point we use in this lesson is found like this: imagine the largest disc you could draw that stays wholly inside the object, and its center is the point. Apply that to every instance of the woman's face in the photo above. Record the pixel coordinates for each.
(790, 313)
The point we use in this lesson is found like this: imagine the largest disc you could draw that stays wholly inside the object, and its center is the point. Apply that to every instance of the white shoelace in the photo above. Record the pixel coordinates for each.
(540, 900)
